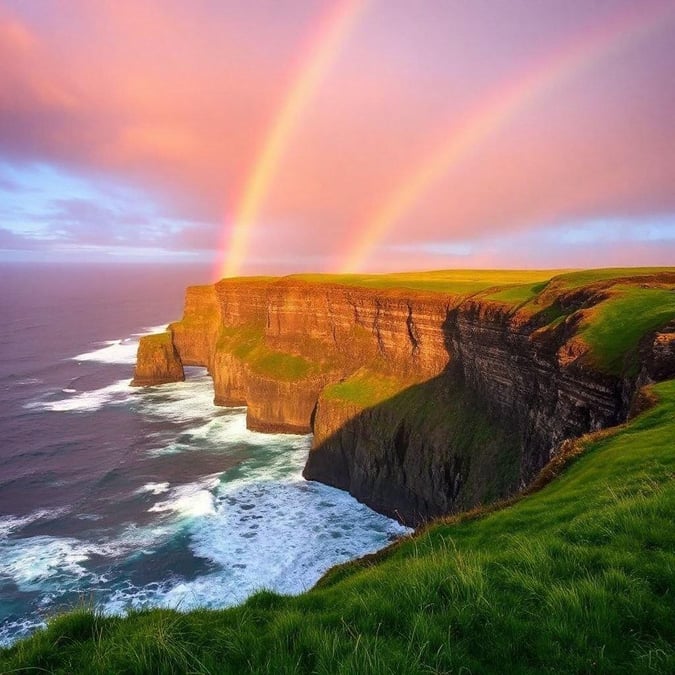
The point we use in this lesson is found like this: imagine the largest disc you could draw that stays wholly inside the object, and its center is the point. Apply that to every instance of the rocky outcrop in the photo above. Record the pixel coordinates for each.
(157, 362)
(486, 392)
(658, 354)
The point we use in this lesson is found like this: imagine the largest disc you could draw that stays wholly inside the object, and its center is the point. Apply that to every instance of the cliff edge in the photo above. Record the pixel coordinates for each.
(427, 394)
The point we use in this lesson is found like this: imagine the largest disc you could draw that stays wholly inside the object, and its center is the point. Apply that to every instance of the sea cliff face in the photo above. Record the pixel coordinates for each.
(421, 403)
(157, 361)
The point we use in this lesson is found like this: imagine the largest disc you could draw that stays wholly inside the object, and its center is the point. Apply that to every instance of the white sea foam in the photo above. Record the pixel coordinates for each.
(261, 526)
(226, 430)
(154, 488)
(118, 351)
(10, 631)
(11, 524)
(189, 401)
(53, 564)
(191, 500)
(113, 351)
(135, 539)
(114, 394)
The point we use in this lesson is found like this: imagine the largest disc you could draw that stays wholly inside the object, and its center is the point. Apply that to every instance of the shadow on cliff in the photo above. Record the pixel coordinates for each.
(432, 449)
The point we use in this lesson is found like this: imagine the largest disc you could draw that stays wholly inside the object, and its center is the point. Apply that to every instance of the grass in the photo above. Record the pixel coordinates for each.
(581, 278)
(365, 388)
(509, 286)
(575, 578)
(516, 295)
(247, 344)
(456, 282)
(283, 366)
(615, 328)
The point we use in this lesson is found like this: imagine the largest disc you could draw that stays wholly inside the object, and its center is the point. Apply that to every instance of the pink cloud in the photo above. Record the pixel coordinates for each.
(175, 98)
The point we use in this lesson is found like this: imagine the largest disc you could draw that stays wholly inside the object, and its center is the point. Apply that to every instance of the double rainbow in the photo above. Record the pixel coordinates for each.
(495, 111)
(500, 106)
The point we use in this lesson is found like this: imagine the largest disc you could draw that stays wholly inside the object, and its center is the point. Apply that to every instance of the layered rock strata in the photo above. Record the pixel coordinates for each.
(157, 361)
(483, 395)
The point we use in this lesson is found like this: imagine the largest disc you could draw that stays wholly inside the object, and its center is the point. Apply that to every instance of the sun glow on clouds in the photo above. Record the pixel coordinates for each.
(128, 129)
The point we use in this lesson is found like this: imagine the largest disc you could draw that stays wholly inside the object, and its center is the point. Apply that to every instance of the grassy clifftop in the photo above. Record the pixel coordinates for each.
(609, 311)
(577, 577)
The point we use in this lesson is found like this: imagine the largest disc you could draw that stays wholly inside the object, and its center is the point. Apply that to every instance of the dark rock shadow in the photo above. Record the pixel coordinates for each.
(475, 433)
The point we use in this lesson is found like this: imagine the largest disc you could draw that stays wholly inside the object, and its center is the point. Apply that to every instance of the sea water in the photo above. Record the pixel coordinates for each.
(118, 497)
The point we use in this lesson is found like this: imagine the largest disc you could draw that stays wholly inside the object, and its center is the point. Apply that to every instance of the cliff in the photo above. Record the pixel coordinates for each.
(157, 361)
(425, 400)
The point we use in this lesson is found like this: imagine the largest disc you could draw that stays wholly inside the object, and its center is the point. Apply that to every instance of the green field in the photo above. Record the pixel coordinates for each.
(457, 282)
(575, 578)
(517, 285)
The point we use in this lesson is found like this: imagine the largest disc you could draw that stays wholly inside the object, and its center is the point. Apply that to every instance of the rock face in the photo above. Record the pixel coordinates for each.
(157, 362)
(480, 395)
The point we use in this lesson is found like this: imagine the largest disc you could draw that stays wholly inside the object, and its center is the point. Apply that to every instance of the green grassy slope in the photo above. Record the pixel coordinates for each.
(575, 578)
(511, 285)
(461, 282)
(614, 332)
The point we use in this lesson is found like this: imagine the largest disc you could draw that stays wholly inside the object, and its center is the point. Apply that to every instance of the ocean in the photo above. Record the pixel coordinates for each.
(116, 497)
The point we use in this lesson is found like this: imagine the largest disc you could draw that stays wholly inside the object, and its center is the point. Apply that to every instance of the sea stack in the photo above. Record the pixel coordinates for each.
(158, 361)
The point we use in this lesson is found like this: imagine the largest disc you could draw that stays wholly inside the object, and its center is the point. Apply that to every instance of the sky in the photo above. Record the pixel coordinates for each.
(273, 137)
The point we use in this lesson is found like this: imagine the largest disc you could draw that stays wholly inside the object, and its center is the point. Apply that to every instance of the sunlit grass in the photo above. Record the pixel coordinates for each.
(457, 282)
(617, 325)
(366, 388)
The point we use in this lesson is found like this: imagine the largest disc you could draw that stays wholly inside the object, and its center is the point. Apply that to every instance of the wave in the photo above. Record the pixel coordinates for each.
(187, 401)
(154, 488)
(53, 564)
(12, 524)
(26, 381)
(260, 525)
(122, 351)
(13, 630)
(191, 500)
(87, 401)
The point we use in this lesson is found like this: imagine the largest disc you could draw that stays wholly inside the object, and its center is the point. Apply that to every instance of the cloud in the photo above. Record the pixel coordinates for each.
(613, 241)
(43, 208)
(11, 241)
(135, 125)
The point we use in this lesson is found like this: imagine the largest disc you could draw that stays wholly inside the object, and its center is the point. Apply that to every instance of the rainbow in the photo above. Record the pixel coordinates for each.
(496, 110)
(320, 54)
